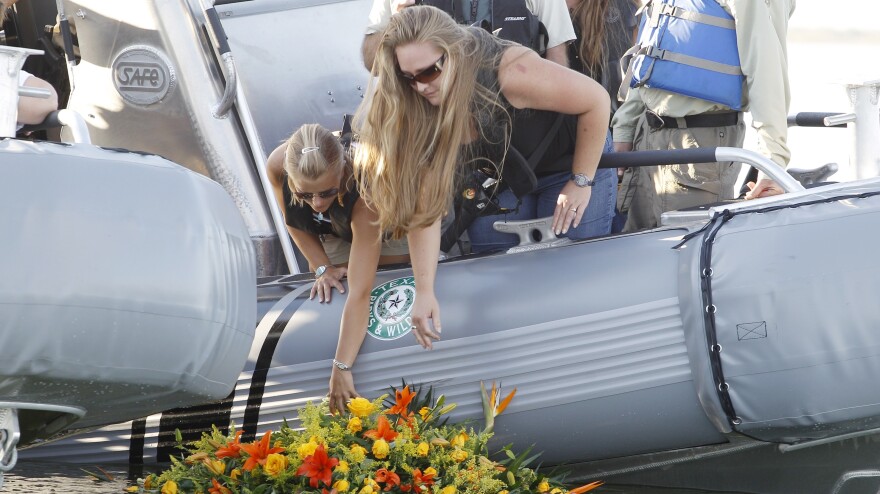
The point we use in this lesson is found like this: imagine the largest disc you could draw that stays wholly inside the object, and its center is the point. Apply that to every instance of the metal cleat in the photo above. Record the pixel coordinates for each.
(533, 234)
(814, 176)
(9, 435)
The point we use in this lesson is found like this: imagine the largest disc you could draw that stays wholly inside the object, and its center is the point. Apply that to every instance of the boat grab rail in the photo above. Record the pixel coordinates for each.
(73, 121)
(218, 35)
(702, 155)
(817, 119)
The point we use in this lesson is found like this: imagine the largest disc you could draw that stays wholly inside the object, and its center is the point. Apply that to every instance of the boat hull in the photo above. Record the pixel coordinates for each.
(605, 340)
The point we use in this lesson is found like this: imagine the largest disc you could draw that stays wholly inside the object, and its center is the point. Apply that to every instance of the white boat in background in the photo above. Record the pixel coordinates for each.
(728, 326)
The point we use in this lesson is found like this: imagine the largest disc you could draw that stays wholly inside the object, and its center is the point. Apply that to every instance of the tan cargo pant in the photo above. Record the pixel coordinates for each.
(648, 191)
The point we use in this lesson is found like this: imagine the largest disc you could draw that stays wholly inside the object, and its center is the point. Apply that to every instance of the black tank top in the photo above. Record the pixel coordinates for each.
(336, 221)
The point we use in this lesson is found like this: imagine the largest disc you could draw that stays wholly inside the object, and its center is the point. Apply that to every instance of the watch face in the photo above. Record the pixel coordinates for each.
(320, 271)
(581, 180)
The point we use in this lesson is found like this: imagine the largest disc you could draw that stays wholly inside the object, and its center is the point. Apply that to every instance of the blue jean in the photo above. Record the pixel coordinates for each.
(542, 203)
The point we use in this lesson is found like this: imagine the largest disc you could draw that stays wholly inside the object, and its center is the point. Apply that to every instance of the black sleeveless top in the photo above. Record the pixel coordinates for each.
(336, 221)
(527, 128)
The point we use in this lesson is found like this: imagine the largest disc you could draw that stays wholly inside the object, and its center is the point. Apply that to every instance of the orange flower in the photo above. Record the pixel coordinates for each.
(318, 467)
(258, 451)
(390, 479)
(232, 449)
(402, 398)
(586, 488)
(383, 430)
(420, 478)
(218, 488)
(496, 396)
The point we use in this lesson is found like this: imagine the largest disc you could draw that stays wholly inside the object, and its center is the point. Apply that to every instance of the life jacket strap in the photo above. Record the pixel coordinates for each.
(659, 54)
(656, 13)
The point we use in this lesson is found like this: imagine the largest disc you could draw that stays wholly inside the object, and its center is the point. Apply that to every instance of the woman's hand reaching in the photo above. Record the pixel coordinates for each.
(341, 390)
(332, 278)
(425, 315)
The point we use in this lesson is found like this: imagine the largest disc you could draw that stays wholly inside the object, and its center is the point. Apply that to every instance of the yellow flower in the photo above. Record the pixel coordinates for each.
(275, 464)
(366, 490)
(342, 467)
(449, 489)
(422, 449)
(358, 452)
(148, 482)
(459, 440)
(370, 486)
(341, 485)
(133, 488)
(556, 490)
(381, 448)
(307, 449)
(425, 412)
(235, 474)
(430, 471)
(195, 458)
(505, 491)
(217, 467)
(355, 425)
(459, 455)
(169, 487)
(543, 487)
(361, 407)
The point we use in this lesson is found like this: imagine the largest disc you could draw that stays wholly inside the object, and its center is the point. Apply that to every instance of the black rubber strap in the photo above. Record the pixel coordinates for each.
(813, 119)
(261, 371)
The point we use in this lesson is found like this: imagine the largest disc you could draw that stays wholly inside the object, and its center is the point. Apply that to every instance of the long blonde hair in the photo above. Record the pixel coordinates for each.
(409, 151)
(589, 16)
(311, 152)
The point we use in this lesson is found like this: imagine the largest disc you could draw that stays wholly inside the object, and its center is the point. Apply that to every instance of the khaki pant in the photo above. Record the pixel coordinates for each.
(648, 191)
(338, 250)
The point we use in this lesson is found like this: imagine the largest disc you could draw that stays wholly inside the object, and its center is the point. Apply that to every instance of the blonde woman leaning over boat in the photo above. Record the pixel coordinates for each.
(311, 176)
(442, 91)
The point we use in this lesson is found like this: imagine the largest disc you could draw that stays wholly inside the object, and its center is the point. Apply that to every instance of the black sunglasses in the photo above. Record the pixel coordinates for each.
(426, 75)
(308, 196)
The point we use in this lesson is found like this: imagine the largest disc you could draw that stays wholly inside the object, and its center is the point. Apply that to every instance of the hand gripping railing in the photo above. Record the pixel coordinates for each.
(702, 155)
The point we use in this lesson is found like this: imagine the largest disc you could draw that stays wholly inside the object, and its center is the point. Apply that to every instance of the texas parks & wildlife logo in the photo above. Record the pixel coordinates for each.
(390, 307)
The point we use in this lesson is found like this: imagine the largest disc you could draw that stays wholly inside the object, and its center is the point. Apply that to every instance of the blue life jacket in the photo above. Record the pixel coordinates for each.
(688, 47)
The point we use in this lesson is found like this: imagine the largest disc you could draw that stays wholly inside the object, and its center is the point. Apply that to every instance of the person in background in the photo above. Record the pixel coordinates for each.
(550, 13)
(692, 97)
(605, 30)
(442, 98)
(31, 110)
(312, 179)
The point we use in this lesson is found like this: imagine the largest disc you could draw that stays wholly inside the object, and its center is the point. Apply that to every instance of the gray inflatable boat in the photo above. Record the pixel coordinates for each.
(125, 277)
(681, 337)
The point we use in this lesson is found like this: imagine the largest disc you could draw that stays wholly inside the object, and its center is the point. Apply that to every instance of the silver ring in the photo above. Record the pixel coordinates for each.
(574, 210)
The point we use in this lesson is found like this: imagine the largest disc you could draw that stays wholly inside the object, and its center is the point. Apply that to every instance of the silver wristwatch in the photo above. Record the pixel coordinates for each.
(582, 180)
(321, 270)
(341, 365)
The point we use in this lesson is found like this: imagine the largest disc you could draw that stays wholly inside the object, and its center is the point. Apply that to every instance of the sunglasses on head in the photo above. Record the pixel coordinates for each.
(308, 196)
(426, 75)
